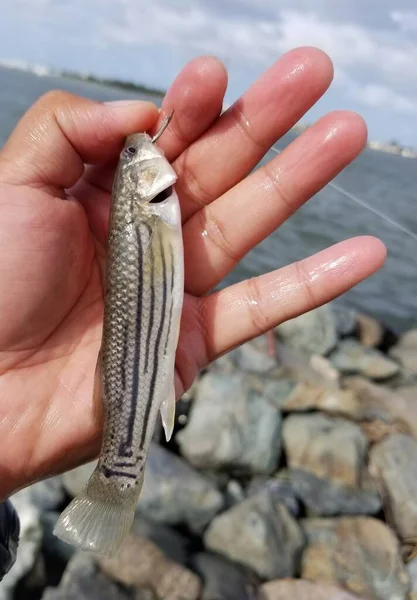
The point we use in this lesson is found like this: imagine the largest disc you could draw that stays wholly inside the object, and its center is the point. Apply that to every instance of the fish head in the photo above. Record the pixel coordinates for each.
(143, 170)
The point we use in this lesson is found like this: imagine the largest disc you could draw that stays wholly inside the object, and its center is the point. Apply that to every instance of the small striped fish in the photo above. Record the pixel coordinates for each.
(143, 304)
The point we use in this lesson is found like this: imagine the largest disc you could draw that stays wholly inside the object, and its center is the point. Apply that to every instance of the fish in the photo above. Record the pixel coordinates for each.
(136, 365)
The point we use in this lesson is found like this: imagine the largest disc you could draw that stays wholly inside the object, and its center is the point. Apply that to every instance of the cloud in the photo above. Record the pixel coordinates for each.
(373, 44)
(406, 19)
(381, 96)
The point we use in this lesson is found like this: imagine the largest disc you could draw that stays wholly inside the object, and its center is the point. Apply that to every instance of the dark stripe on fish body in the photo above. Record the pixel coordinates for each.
(131, 399)
(157, 344)
(151, 316)
(171, 254)
(107, 472)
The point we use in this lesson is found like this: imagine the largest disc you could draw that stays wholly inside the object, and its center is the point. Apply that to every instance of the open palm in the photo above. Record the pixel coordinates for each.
(53, 228)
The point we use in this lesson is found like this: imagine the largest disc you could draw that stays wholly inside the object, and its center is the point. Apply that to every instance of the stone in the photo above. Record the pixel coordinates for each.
(326, 498)
(330, 399)
(29, 545)
(222, 579)
(405, 351)
(231, 425)
(352, 358)
(359, 553)
(259, 533)
(46, 495)
(370, 331)
(277, 391)
(173, 492)
(397, 407)
(280, 489)
(300, 589)
(74, 480)
(328, 447)
(154, 571)
(83, 580)
(172, 543)
(254, 356)
(345, 319)
(312, 333)
(412, 574)
(393, 462)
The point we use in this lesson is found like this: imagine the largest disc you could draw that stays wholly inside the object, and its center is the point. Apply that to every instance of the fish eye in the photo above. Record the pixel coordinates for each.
(162, 196)
(131, 150)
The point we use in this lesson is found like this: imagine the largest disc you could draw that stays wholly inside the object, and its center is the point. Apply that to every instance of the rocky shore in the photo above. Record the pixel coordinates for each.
(292, 474)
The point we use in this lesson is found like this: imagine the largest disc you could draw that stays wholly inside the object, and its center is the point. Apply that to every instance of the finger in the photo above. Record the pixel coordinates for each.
(248, 309)
(61, 132)
(217, 237)
(196, 97)
(244, 133)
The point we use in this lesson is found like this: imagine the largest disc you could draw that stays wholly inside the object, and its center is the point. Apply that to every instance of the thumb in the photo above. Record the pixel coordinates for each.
(62, 132)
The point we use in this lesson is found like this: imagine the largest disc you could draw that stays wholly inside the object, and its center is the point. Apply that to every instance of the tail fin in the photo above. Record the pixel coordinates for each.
(100, 517)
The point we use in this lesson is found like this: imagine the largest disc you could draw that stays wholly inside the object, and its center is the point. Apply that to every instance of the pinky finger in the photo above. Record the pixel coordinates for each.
(245, 310)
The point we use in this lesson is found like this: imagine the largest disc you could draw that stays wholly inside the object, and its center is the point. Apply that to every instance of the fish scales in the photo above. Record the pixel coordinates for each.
(143, 303)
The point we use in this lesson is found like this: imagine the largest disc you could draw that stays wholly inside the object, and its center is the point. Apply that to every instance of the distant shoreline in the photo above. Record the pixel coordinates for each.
(42, 71)
(130, 86)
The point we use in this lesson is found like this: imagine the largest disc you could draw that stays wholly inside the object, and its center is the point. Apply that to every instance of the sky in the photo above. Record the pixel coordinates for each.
(373, 45)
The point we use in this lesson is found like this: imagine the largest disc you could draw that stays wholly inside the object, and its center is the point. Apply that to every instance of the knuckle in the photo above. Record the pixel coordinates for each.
(304, 285)
(259, 318)
(191, 186)
(280, 191)
(216, 232)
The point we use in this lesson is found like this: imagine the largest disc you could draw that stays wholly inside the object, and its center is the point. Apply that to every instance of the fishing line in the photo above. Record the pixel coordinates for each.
(364, 204)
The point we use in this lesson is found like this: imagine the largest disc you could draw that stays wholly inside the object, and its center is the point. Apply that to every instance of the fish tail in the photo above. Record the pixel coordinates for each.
(99, 518)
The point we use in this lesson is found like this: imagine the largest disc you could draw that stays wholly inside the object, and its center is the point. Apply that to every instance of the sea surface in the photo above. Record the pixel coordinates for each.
(387, 182)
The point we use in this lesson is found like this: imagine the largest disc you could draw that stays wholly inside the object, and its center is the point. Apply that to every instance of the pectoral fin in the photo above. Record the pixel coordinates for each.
(168, 414)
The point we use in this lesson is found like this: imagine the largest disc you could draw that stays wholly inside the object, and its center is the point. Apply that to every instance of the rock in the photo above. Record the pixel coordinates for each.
(74, 480)
(300, 589)
(259, 533)
(279, 488)
(169, 541)
(345, 319)
(153, 571)
(231, 425)
(329, 399)
(370, 331)
(313, 332)
(350, 358)
(29, 545)
(234, 493)
(173, 492)
(46, 495)
(359, 553)
(326, 498)
(223, 580)
(393, 462)
(412, 574)
(379, 403)
(254, 356)
(83, 580)
(327, 447)
(406, 353)
(277, 391)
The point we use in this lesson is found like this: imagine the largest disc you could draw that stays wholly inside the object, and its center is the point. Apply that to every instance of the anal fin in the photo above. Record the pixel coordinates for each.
(168, 414)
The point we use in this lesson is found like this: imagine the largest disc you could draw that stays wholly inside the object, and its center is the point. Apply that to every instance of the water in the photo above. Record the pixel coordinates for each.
(386, 182)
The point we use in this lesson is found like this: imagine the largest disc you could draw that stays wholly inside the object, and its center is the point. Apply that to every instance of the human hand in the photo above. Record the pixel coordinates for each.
(53, 228)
